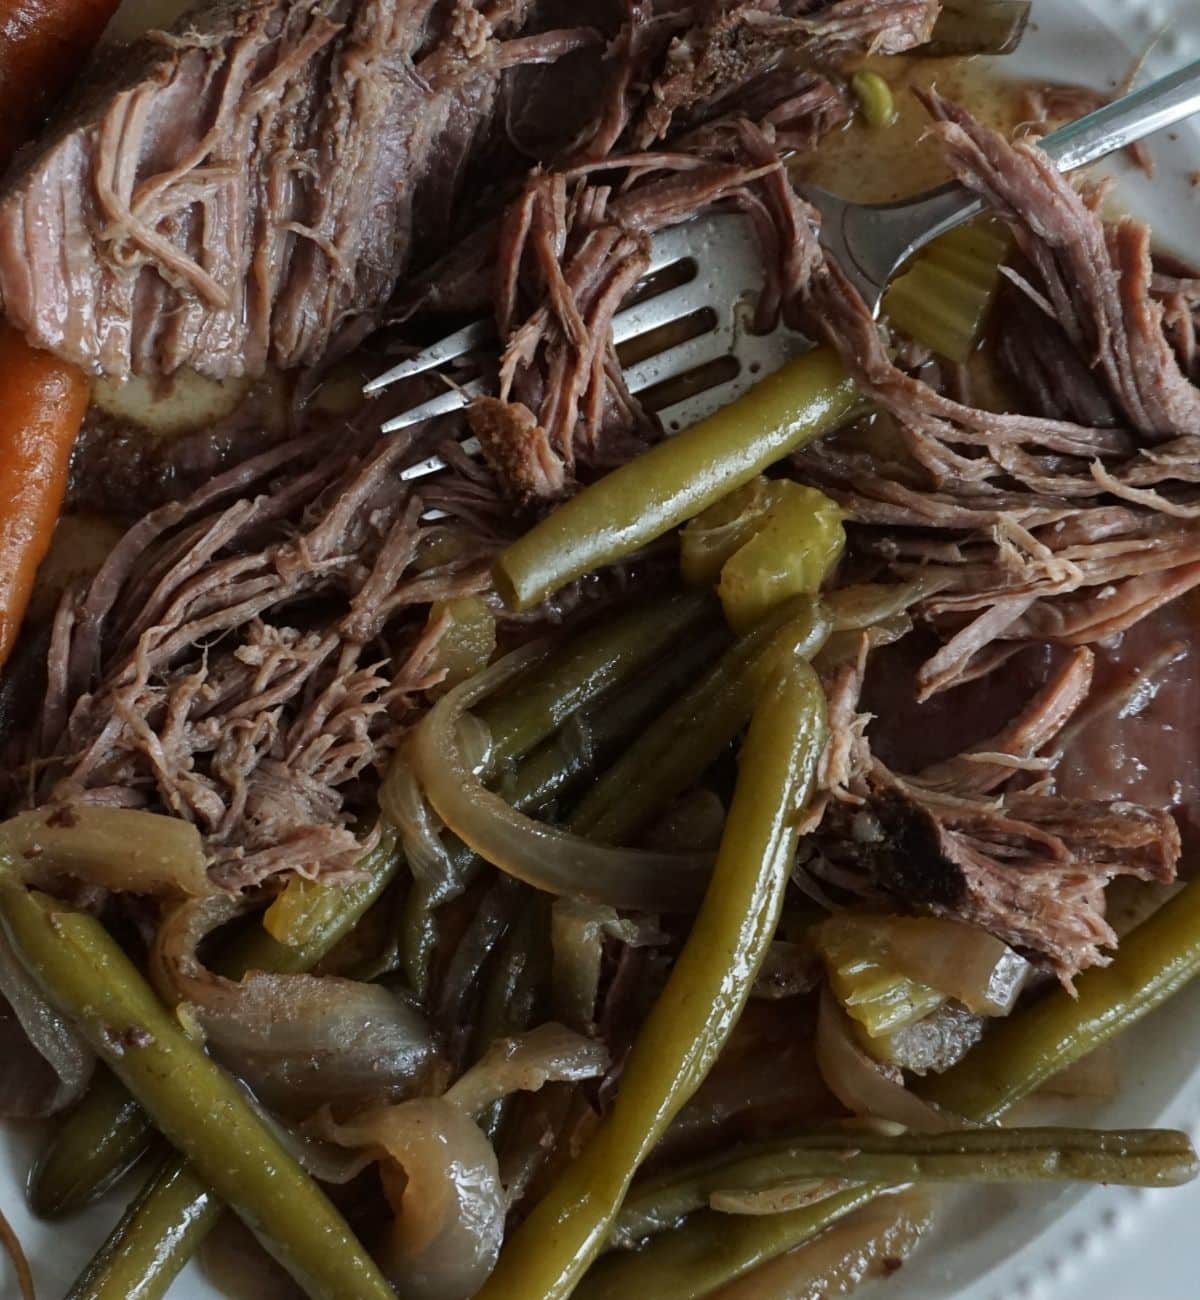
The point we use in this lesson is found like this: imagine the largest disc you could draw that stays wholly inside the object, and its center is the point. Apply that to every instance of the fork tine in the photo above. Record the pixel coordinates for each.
(659, 310)
(454, 399)
(670, 246)
(437, 354)
(431, 464)
(667, 249)
(679, 360)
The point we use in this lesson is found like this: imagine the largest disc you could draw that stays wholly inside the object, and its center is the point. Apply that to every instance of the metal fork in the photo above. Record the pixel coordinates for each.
(718, 274)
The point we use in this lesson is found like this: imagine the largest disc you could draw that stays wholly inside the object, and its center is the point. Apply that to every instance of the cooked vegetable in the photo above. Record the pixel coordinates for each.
(539, 854)
(558, 767)
(47, 1064)
(44, 403)
(674, 751)
(677, 478)
(196, 1106)
(300, 1041)
(309, 918)
(876, 996)
(937, 1042)
(1020, 1052)
(863, 1085)
(703, 998)
(767, 541)
(156, 1236)
(958, 960)
(581, 675)
(971, 27)
(439, 1170)
(513, 992)
(713, 1249)
(119, 848)
(874, 97)
(943, 299)
(43, 45)
(467, 637)
(99, 1142)
(1134, 1157)
(533, 709)
(867, 1244)
(107, 1132)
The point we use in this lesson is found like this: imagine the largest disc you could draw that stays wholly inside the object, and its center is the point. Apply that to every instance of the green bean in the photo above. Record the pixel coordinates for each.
(1016, 1056)
(874, 97)
(712, 1249)
(1019, 1053)
(557, 767)
(674, 751)
(1134, 1158)
(676, 479)
(588, 666)
(702, 1000)
(308, 920)
(105, 1135)
(108, 1132)
(513, 986)
(140, 1260)
(198, 1108)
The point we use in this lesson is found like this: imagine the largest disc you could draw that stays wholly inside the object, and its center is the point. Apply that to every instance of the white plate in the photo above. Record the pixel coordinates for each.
(1104, 1244)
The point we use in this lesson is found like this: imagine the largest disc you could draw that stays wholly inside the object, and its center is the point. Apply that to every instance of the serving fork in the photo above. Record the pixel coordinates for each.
(708, 271)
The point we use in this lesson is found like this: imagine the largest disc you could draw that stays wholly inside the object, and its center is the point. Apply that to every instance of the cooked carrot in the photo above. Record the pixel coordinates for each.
(43, 44)
(42, 402)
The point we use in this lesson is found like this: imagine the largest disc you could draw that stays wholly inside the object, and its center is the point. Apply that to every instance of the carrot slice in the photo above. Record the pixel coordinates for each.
(42, 404)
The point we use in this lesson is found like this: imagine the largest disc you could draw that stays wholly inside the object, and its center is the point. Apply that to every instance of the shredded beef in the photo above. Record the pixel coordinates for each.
(245, 655)
(1035, 527)
(982, 837)
(249, 187)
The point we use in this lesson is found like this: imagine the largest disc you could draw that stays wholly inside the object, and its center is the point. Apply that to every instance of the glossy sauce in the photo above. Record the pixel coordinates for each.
(878, 165)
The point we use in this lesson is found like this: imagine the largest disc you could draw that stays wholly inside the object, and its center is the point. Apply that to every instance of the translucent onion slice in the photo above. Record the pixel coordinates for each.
(546, 857)
(864, 1086)
(299, 1041)
(44, 1065)
(439, 1171)
(119, 848)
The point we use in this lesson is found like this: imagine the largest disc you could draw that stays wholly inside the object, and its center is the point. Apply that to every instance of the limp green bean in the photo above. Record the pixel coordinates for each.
(665, 486)
(197, 1107)
(1153, 962)
(1135, 1158)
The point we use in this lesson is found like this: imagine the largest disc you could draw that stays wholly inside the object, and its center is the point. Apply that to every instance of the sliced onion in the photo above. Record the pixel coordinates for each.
(299, 1041)
(119, 848)
(44, 1065)
(404, 805)
(439, 1171)
(546, 857)
(441, 1180)
(866, 1244)
(548, 1054)
(577, 934)
(864, 1086)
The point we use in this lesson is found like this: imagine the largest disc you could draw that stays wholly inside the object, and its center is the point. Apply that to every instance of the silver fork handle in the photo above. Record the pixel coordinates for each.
(1126, 120)
(891, 233)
